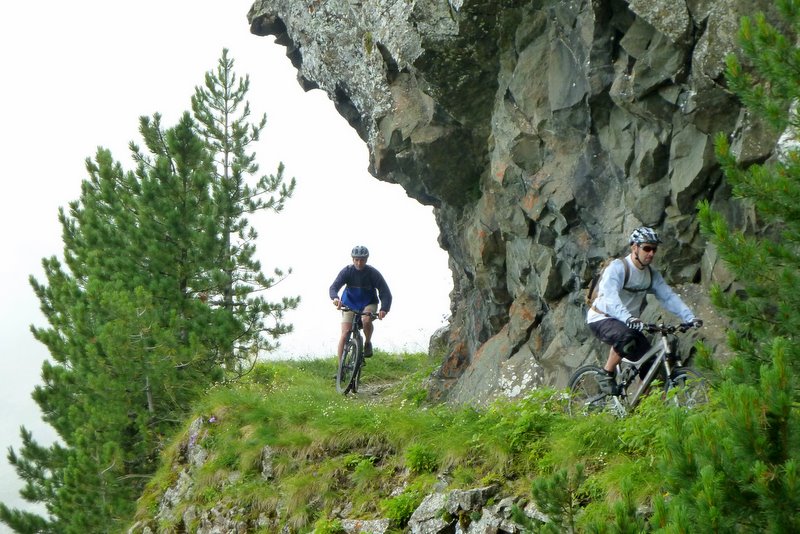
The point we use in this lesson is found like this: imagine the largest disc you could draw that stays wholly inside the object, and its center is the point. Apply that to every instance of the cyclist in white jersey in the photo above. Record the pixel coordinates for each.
(613, 316)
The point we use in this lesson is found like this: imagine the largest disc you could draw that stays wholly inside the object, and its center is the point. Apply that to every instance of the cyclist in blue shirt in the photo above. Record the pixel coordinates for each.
(614, 315)
(364, 289)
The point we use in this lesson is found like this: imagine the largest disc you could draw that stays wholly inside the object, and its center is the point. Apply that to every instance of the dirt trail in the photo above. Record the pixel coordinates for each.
(372, 390)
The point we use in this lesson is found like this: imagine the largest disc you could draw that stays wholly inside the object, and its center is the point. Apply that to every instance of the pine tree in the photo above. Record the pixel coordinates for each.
(124, 335)
(222, 111)
(768, 265)
(132, 336)
(735, 468)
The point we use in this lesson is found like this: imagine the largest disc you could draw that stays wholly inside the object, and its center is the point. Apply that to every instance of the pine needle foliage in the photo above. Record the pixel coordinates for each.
(767, 263)
(734, 468)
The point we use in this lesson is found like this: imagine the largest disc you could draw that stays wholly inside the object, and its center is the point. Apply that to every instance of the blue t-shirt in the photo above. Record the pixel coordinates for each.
(363, 287)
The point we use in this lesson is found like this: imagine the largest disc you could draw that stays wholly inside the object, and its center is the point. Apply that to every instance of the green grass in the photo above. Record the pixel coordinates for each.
(376, 455)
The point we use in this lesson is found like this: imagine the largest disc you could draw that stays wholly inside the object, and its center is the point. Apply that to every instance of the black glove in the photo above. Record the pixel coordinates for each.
(634, 323)
(697, 323)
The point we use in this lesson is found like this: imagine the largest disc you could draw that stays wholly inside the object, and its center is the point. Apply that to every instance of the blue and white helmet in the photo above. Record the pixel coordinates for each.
(359, 251)
(644, 234)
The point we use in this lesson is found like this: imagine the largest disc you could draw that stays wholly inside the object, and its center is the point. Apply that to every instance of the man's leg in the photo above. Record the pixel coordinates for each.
(624, 342)
(606, 380)
(369, 328)
(610, 332)
(366, 321)
(342, 337)
(613, 360)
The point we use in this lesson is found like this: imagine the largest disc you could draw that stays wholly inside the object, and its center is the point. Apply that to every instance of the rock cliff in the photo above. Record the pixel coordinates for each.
(542, 132)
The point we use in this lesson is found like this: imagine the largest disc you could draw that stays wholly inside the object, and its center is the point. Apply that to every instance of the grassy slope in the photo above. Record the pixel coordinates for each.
(377, 454)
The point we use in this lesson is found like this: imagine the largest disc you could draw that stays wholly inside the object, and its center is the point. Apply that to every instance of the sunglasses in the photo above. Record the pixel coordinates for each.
(648, 248)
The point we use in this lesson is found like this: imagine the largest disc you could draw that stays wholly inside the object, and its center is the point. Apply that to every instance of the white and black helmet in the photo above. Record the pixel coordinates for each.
(644, 234)
(359, 251)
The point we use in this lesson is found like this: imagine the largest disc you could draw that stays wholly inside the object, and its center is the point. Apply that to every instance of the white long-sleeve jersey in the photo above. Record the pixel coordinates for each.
(614, 300)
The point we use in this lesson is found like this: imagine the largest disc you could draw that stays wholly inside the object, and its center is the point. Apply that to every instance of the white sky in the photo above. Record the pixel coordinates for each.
(77, 75)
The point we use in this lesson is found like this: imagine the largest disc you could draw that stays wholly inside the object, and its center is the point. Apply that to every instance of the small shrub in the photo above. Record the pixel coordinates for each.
(208, 494)
(369, 43)
(365, 474)
(463, 476)
(416, 395)
(492, 479)
(399, 509)
(263, 375)
(420, 459)
(557, 495)
(328, 526)
(352, 460)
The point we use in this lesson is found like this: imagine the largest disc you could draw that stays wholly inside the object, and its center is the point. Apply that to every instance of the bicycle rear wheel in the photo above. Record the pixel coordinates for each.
(347, 367)
(585, 396)
(687, 388)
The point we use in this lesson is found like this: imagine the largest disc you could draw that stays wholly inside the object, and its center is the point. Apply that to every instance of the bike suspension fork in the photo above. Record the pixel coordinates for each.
(667, 355)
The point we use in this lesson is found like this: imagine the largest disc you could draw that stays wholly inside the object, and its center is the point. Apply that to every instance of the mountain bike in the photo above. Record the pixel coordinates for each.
(349, 372)
(681, 385)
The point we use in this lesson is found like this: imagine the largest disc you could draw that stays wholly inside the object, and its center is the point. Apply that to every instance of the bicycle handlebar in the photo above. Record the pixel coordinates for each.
(344, 308)
(667, 328)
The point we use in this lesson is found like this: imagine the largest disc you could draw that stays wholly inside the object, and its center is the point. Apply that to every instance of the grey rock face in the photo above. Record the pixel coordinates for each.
(443, 512)
(372, 526)
(175, 511)
(542, 133)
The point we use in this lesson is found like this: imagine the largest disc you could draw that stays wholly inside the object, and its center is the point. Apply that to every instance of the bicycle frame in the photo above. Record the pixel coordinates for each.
(659, 353)
(356, 326)
(355, 330)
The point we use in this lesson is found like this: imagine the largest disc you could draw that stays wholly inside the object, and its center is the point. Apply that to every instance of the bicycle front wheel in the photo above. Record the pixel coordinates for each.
(585, 395)
(359, 360)
(347, 367)
(687, 389)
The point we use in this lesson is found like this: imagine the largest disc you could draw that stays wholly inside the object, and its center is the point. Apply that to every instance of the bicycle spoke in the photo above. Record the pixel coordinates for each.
(585, 394)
